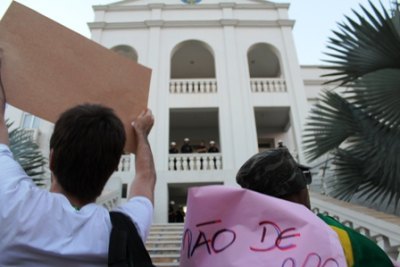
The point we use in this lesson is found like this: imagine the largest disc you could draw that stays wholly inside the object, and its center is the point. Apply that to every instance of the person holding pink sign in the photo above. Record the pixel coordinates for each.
(275, 173)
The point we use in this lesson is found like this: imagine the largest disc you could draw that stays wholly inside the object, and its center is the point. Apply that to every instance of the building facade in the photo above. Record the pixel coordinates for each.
(222, 71)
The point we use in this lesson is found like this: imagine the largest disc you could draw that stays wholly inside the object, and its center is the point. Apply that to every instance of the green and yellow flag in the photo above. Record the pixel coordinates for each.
(358, 249)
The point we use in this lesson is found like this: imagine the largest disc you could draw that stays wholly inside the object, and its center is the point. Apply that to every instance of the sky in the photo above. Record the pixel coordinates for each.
(315, 19)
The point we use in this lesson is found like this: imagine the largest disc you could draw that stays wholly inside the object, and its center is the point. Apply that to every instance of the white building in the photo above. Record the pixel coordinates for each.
(222, 70)
(225, 71)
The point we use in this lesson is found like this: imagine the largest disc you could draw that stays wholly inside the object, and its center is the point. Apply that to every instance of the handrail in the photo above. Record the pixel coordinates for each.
(268, 85)
(382, 228)
(193, 86)
(109, 199)
(195, 162)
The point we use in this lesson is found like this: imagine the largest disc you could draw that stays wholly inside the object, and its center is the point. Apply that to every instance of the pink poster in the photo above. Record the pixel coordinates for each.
(232, 227)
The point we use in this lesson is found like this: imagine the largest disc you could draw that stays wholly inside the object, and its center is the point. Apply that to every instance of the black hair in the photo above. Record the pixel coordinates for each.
(87, 144)
(273, 172)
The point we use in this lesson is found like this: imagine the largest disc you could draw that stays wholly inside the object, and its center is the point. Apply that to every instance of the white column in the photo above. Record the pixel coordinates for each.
(158, 90)
(96, 34)
(161, 201)
(239, 108)
(158, 103)
(295, 88)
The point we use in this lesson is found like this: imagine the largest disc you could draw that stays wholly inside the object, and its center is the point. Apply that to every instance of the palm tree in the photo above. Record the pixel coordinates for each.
(27, 154)
(359, 126)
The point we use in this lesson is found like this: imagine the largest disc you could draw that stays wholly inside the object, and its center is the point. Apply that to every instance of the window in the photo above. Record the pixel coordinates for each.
(124, 191)
(29, 121)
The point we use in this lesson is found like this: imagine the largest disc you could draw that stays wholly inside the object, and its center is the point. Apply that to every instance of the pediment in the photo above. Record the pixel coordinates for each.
(180, 2)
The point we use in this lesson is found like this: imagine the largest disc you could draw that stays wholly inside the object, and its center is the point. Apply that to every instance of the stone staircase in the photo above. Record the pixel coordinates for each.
(163, 244)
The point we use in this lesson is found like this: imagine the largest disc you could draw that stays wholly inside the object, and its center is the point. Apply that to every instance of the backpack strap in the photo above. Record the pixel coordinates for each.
(126, 248)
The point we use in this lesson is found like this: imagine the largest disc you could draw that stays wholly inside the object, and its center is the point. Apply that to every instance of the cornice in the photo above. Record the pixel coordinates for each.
(190, 23)
(189, 7)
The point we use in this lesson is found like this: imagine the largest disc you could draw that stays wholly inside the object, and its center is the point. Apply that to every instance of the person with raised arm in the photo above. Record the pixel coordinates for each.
(65, 227)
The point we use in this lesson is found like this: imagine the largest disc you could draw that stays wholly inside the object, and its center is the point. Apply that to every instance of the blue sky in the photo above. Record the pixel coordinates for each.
(315, 19)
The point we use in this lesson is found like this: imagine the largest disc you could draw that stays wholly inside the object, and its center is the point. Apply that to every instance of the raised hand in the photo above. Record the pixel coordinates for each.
(2, 92)
(143, 122)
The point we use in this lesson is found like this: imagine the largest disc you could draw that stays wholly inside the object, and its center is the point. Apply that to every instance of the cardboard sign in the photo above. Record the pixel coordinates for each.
(47, 68)
(236, 227)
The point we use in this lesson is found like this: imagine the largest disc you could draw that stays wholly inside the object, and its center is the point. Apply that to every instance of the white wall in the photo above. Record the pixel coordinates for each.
(229, 29)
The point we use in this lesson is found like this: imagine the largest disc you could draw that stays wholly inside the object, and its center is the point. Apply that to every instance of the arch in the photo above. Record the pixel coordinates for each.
(126, 51)
(263, 61)
(192, 59)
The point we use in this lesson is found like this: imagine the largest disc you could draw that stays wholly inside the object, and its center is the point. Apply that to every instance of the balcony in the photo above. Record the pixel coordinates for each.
(126, 163)
(193, 86)
(268, 85)
(109, 199)
(195, 162)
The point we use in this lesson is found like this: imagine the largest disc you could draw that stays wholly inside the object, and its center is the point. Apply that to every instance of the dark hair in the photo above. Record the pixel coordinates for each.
(273, 172)
(87, 144)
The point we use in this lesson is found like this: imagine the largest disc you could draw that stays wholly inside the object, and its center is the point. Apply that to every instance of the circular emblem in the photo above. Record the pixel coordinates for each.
(191, 2)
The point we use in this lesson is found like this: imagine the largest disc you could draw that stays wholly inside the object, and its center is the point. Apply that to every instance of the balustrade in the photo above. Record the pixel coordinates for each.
(125, 163)
(109, 199)
(195, 162)
(268, 85)
(382, 228)
(33, 134)
(193, 86)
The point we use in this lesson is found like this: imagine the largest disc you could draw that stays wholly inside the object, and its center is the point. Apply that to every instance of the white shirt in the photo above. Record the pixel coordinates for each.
(39, 228)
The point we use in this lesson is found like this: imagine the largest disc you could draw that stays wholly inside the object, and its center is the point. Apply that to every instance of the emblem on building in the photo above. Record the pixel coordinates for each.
(191, 2)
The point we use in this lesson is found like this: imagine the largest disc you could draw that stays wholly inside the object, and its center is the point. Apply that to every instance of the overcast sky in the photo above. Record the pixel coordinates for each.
(315, 19)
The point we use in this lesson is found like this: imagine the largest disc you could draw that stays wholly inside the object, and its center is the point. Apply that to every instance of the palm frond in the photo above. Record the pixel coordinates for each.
(26, 153)
(330, 123)
(365, 149)
(378, 94)
(355, 48)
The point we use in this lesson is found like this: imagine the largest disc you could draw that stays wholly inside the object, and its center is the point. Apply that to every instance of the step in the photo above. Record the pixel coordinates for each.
(165, 258)
(165, 233)
(155, 251)
(164, 244)
(169, 264)
(167, 229)
(168, 225)
(164, 238)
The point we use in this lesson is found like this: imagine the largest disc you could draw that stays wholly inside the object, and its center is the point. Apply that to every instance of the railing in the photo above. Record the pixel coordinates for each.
(195, 162)
(193, 86)
(33, 134)
(125, 164)
(109, 199)
(268, 85)
(382, 228)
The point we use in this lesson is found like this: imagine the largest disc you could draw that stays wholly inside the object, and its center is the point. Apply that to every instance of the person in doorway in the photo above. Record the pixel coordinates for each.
(275, 173)
(213, 148)
(186, 147)
(180, 214)
(201, 148)
(171, 212)
(173, 149)
(280, 144)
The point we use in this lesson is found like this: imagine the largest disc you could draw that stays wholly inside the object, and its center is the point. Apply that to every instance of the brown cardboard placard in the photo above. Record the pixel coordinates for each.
(47, 68)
